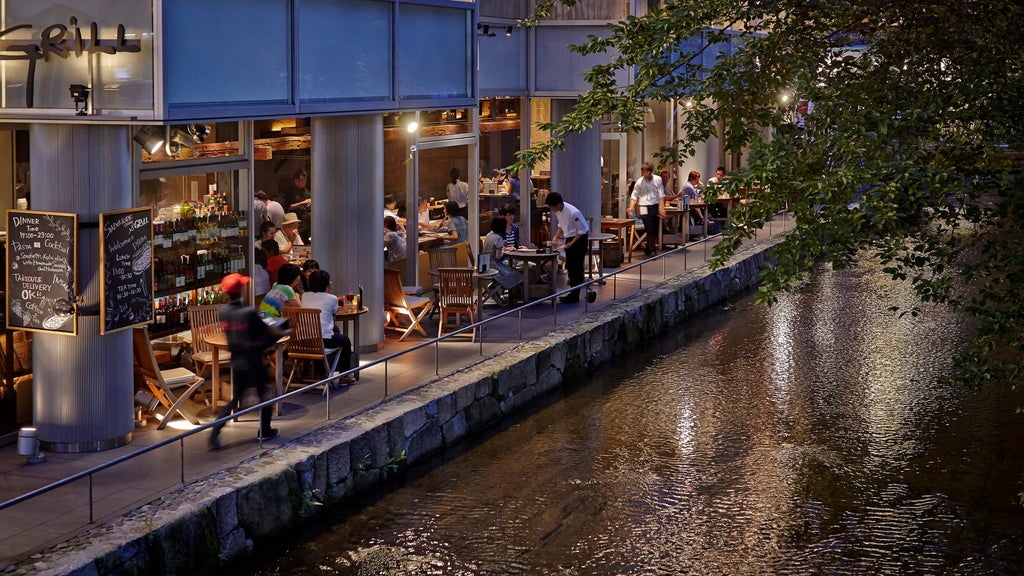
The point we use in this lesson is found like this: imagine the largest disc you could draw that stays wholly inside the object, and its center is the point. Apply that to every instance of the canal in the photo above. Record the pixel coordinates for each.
(807, 438)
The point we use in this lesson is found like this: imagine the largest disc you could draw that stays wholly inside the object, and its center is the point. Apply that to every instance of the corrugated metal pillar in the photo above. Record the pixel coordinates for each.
(348, 212)
(82, 400)
(576, 171)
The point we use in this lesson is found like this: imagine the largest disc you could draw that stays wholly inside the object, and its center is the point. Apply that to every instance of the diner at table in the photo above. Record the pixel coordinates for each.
(319, 296)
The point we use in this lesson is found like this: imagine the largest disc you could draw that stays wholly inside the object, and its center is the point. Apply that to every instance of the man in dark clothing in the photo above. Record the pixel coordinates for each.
(249, 338)
(297, 199)
(572, 226)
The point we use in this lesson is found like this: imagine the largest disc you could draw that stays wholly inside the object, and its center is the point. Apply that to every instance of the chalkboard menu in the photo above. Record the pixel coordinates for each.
(127, 267)
(41, 257)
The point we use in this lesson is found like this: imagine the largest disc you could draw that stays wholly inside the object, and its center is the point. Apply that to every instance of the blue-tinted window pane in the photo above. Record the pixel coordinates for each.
(344, 49)
(501, 62)
(226, 51)
(434, 55)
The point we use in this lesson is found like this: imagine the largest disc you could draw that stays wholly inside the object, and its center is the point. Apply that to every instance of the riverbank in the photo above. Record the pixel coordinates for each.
(201, 526)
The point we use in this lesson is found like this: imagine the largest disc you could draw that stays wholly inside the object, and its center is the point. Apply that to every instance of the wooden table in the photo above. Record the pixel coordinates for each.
(617, 226)
(430, 241)
(347, 320)
(540, 259)
(683, 215)
(219, 341)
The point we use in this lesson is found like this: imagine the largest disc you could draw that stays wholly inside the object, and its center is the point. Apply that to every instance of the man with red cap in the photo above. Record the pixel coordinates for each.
(249, 338)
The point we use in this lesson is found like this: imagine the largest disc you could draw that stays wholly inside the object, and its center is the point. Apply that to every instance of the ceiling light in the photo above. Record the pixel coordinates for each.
(508, 30)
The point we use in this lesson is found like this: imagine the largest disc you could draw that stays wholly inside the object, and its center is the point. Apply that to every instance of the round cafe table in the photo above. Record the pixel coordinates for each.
(595, 239)
(540, 259)
(219, 341)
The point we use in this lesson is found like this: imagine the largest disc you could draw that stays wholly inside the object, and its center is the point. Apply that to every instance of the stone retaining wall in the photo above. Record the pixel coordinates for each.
(201, 526)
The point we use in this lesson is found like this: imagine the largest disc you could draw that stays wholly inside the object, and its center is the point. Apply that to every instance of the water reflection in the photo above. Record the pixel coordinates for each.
(809, 438)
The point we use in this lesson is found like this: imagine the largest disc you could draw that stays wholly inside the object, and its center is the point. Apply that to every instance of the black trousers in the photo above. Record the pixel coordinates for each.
(652, 227)
(343, 342)
(241, 380)
(575, 256)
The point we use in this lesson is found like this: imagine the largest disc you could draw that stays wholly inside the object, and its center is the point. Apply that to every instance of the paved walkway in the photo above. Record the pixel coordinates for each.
(53, 518)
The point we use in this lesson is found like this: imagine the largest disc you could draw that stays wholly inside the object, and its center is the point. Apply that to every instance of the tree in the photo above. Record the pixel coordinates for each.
(907, 157)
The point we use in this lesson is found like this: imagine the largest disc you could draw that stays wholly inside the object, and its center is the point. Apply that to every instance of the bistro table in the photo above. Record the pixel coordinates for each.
(618, 226)
(540, 259)
(595, 239)
(347, 320)
(219, 341)
(430, 240)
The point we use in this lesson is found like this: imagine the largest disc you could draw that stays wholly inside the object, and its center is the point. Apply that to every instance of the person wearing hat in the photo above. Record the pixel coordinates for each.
(288, 235)
(249, 338)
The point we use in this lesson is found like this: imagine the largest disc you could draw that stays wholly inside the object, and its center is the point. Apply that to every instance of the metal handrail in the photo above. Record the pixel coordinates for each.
(180, 438)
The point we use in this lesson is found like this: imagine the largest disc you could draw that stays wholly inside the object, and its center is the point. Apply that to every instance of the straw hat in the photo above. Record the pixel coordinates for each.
(289, 218)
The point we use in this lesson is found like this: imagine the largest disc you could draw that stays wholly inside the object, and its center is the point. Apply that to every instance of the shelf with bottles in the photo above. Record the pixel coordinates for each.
(200, 269)
(171, 313)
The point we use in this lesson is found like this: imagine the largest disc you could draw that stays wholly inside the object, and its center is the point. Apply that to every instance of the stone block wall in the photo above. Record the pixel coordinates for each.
(202, 526)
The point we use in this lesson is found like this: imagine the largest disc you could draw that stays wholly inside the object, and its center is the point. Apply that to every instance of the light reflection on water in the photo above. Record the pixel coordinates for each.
(808, 438)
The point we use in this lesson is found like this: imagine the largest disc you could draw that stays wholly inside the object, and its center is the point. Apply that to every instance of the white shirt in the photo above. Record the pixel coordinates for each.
(459, 192)
(648, 192)
(282, 240)
(571, 221)
(328, 305)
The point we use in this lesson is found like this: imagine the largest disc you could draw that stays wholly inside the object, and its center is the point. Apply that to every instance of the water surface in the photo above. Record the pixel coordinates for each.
(806, 438)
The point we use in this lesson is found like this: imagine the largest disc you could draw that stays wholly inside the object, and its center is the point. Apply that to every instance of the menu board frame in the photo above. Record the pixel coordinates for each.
(108, 265)
(69, 224)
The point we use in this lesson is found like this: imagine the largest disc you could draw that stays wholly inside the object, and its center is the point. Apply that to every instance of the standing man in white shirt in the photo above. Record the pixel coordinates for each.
(648, 201)
(572, 226)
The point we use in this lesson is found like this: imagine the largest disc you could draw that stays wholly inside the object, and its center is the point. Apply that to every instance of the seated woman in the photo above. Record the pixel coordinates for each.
(494, 244)
(318, 296)
(458, 227)
(391, 209)
(282, 293)
(394, 240)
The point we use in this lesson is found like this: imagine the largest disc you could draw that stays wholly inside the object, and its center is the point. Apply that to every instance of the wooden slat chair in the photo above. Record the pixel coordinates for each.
(165, 385)
(204, 321)
(307, 341)
(456, 297)
(404, 312)
(638, 235)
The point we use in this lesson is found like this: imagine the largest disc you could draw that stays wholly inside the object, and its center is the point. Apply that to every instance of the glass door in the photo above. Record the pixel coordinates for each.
(614, 177)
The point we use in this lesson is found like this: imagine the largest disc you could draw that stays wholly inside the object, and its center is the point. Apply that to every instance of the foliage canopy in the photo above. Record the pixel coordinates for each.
(910, 155)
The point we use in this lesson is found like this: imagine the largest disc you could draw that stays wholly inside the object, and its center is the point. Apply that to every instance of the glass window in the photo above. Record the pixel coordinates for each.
(227, 51)
(427, 33)
(344, 49)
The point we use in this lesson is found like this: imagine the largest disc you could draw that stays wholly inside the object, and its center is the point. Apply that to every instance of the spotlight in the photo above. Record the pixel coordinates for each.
(484, 30)
(508, 30)
(182, 138)
(412, 126)
(28, 445)
(80, 96)
(199, 132)
(150, 138)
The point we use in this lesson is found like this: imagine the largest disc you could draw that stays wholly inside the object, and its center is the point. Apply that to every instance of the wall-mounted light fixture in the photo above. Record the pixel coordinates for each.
(80, 96)
(484, 30)
(409, 120)
(508, 30)
(151, 138)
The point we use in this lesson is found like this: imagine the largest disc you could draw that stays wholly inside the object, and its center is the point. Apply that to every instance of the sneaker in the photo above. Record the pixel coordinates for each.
(270, 435)
(214, 443)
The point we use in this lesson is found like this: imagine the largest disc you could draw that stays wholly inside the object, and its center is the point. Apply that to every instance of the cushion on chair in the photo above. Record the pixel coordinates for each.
(178, 377)
(416, 301)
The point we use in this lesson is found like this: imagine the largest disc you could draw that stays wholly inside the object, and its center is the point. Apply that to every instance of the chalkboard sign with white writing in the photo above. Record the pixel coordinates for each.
(41, 257)
(127, 294)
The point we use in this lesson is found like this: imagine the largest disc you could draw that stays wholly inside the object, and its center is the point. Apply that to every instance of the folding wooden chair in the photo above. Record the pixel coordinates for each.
(638, 235)
(307, 341)
(456, 297)
(204, 321)
(404, 312)
(165, 385)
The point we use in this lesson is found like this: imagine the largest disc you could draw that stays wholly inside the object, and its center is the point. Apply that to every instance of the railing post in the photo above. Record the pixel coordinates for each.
(181, 449)
(90, 500)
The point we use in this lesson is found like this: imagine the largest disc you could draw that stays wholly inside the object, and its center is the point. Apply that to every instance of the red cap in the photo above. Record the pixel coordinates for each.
(234, 282)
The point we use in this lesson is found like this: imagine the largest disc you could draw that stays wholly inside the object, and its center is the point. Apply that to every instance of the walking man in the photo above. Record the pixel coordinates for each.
(648, 198)
(249, 338)
(573, 227)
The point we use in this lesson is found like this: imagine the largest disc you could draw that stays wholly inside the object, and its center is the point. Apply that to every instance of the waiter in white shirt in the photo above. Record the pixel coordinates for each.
(648, 201)
(573, 227)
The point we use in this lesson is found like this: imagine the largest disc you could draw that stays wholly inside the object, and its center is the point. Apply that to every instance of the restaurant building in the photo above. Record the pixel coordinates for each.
(188, 107)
